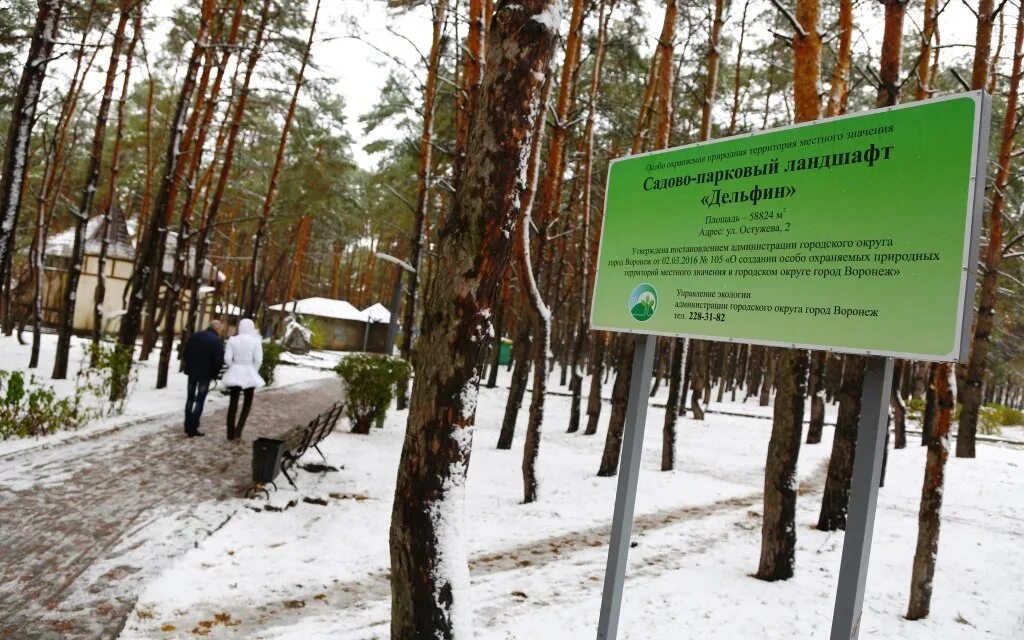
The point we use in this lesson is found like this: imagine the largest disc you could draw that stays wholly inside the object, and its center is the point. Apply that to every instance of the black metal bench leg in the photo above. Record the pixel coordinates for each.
(290, 481)
(317, 447)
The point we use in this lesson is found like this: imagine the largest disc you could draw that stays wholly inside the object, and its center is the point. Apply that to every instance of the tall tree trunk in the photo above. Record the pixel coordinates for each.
(923, 89)
(663, 98)
(206, 106)
(84, 210)
(254, 280)
(778, 533)
(472, 68)
(548, 206)
(422, 186)
(149, 247)
(212, 210)
(836, 498)
(929, 516)
(778, 529)
(711, 81)
(989, 291)
(594, 402)
(100, 294)
(23, 116)
(983, 44)
(429, 569)
(899, 407)
(839, 90)
(739, 69)
(521, 351)
(541, 313)
(816, 393)
(587, 247)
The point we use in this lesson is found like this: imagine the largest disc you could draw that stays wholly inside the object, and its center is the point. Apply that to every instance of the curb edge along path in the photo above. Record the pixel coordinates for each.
(103, 512)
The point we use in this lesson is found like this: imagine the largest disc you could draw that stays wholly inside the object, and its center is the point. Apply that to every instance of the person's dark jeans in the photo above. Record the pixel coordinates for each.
(194, 401)
(235, 428)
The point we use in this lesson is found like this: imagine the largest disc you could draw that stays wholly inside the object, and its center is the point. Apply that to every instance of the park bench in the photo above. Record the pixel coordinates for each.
(274, 456)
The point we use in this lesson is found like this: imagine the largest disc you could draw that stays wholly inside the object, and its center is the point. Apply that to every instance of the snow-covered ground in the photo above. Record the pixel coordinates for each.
(145, 402)
(321, 570)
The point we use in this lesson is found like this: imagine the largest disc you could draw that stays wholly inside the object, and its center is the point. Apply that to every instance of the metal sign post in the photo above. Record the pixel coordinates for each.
(766, 239)
(860, 520)
(625, 493)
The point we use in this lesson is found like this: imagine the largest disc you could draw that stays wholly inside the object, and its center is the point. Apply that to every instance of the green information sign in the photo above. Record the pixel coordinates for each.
(856, 234)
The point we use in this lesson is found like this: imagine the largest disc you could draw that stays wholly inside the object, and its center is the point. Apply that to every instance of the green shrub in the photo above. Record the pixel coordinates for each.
(915, 408)
(107, 372)
(271, 358)
(993, 417)
(31, 409)
(371, 381)
(318, 335)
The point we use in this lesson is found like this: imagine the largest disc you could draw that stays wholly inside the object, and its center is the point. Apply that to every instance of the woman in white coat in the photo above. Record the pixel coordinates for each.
(243, 356)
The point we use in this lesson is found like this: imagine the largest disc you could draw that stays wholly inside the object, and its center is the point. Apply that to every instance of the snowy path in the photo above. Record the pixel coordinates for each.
(86, 522)
(375, 588)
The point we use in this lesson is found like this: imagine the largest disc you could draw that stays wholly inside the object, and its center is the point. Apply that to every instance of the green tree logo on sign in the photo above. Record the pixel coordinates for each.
(643, 302)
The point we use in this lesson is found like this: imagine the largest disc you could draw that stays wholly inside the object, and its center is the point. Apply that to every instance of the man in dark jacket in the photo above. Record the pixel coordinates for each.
(204, 357)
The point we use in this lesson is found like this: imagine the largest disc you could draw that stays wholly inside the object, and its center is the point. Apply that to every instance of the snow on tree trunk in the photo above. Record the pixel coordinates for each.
(429, 571)
(150, 245)
(423, 177)
(200, 120)
(212, 210)
(929, 515)
(989, 290)
(23, 116)
(84, 210)
(256, 281)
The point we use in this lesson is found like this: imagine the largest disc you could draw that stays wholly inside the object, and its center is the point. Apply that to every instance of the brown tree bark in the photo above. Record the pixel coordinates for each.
(923, 89)
(816, 393)
(541, 312)
(983, 44)
(736, 83)
(899, 407)
(594, 402)
(212, 210)
(203, 112)
(714, 57)
(778, 533)
(100, 293)
(423, 182)
(836, 497)
(929, 516)
(23, 116)
(521, 350)
(469, 94)
(778, 529)
(839, 90)
(149, 246)
(588, 249)
(428, 566)
(548, 208)
(255, 280)
(85, 204)
(988, 294)
(423, 172)
(663, 100)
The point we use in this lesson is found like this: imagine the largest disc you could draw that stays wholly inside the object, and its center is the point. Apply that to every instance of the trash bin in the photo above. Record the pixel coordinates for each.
(505, 354)
(266, 459)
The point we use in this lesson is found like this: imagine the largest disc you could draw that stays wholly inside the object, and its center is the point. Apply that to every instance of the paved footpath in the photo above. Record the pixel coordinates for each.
(88, 521)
